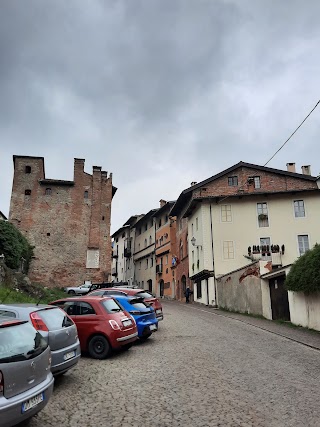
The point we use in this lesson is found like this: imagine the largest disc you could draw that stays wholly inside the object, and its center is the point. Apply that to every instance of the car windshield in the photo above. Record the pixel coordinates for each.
(55, 318)
(111, 306)
(144, 294)
(20, 342)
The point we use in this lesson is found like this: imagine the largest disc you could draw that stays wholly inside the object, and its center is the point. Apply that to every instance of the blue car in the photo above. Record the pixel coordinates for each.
(143, 314)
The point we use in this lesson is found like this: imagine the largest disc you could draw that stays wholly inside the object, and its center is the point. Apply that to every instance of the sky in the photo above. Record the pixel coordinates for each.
(159, 92)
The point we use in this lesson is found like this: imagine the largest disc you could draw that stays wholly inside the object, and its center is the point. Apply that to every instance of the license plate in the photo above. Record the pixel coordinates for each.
(69, 355)
(153, 327)
(31, 403)
(159, 311)
(127, 322)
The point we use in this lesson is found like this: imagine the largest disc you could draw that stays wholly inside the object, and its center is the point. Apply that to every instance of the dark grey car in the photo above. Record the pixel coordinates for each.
(26, 381)
(57, 329)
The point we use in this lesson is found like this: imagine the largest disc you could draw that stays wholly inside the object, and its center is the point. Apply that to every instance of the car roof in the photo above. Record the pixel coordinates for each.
(25, 307)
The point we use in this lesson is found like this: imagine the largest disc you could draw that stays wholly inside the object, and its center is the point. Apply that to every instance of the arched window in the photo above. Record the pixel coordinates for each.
(145, 243)
(150, 240)
(48, 192)
(28, 169)
(86, 194)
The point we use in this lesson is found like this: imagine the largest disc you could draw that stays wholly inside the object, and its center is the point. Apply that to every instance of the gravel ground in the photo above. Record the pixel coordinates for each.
(199, 369)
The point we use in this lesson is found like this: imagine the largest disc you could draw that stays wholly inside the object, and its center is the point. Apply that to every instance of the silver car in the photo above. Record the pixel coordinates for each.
(26, 381)
(78, 290)
(57, 329)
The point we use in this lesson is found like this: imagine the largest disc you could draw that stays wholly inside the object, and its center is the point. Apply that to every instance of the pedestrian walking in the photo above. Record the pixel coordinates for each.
(187, 293)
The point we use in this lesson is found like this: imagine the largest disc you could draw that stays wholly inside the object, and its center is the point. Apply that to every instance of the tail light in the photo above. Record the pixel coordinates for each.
(37, 322)
(1, 384)
(114, 325)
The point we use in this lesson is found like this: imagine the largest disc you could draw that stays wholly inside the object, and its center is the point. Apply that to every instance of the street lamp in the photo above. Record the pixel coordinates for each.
(193, 242)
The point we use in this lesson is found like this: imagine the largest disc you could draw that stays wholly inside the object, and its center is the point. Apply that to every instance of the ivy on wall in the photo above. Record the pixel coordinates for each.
(14, 246)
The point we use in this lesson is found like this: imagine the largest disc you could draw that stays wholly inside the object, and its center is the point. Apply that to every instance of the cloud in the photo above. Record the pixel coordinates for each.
(159, 92)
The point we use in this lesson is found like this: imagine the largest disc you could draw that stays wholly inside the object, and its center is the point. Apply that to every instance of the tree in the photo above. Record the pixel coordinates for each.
(14, 246)
(304, 275)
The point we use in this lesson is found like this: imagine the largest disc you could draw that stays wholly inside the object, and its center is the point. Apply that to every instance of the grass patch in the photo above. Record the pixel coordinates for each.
(36, 294)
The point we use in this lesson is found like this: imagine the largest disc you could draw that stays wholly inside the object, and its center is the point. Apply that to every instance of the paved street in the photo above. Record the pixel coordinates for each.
(199, 369)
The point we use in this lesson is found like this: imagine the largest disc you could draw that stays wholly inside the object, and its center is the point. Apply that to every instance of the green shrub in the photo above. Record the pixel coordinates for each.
(304, 275)
(14, 246)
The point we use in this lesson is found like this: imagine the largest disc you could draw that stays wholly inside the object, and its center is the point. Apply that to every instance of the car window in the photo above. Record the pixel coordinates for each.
(144, 294)
(6, 313)
(139, 305)
(55, 318)
(20, 342)
(85, 308)
(97, 293)
(111, 306)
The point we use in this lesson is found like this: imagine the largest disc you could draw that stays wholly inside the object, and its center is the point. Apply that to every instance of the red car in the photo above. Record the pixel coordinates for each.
(141, 293)
(102, 324)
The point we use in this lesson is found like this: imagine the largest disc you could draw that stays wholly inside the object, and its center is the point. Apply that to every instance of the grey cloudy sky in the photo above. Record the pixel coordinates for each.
(159, 92)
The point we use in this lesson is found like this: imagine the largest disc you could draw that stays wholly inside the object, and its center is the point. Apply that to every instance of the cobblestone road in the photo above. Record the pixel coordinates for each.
(199, 369)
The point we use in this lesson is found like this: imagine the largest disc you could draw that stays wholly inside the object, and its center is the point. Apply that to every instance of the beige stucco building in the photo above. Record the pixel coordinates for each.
(248, 213)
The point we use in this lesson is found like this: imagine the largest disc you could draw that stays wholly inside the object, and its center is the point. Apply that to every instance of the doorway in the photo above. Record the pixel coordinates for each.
(279, 299)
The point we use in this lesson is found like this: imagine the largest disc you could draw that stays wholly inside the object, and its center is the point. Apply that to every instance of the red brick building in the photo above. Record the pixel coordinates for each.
(68, 222)
(182, 266)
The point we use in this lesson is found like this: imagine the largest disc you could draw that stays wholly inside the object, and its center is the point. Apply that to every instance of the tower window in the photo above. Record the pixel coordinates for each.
(48, 192)
(28, 169)
(48, 234)
(86, 194)
(27, 192)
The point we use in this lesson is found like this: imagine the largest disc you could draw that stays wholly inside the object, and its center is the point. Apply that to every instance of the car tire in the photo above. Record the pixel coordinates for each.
(145, 337)
(127, 347)
(71, 292)
(99, 347)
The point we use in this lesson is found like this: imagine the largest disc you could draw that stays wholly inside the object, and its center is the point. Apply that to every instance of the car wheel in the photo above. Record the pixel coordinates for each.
(145, 337)
(99, 347)
(71, 292)
(127, 347)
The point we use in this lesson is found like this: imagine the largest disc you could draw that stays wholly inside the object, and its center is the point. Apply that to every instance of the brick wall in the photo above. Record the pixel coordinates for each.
(270, 183)
(65, 224)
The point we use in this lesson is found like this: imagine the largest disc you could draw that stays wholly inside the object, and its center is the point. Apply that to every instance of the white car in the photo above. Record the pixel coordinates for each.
(78, 290)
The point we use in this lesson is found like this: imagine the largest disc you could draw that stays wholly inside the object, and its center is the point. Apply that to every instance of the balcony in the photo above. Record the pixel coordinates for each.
(115, 254)
(159, 269)
(114, 271)
(127, 252)
(271, 253)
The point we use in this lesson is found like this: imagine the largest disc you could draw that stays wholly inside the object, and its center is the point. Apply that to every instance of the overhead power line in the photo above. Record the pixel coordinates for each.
(293, 132)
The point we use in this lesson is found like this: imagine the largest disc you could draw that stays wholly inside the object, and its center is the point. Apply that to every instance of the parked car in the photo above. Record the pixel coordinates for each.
(143, 314)
(102, 324)
(26, 382)
(78, 290)
(58, 330)
(146, 295)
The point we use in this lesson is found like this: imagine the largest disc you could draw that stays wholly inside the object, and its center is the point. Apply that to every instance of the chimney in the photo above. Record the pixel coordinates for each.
(291, 167)
(162, 203)
(193, 183)
(78, 168)
(306, 170)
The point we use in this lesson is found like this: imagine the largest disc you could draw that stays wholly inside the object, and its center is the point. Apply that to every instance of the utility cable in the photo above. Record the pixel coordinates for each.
(293, 132)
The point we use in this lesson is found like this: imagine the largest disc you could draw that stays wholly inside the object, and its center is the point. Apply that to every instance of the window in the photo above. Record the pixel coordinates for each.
(140, 265)
(147, 262)
(228, 249)
(139, 231)
(159, 224)
(151, 261)
(192, 256)
(48, 192)
(199, 290)
(226, 213)
(232, 181)
(192, 229)
(85, 309)
(111, 306)
(139, 246)
(198, 256)
(299, 210)
(145, 243)
(256, 181)
(197, 224)
(167, 259)
(150, 240)
(86, 194)
(27, 192)
(303, 242)
(263, 218)
(28, 169)
(146, 227)
(265, 241)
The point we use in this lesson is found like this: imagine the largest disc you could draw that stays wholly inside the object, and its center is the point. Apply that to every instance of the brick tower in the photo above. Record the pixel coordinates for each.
(68, 222)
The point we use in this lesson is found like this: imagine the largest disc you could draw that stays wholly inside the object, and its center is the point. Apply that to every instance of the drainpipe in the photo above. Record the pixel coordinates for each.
(214, 274)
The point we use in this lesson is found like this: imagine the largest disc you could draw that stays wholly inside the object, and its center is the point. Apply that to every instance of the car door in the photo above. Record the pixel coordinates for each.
(87, 321)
